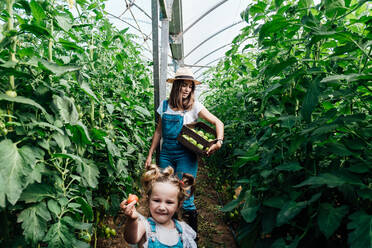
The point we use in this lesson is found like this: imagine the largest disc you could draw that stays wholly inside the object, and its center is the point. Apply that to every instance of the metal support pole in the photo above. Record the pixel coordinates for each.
(164, 49)
(164, 56)
(155, 57)
(155, 52)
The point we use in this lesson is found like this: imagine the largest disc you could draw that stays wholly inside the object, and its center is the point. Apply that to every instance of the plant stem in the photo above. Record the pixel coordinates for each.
(92, 112)
(9, 5)
(50, 45)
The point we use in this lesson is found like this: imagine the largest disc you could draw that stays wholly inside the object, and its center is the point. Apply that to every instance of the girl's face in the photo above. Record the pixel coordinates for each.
(186, 88)
(163, 202)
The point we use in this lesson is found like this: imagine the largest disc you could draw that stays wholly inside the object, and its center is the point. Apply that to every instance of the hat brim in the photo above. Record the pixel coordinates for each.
(171, 80)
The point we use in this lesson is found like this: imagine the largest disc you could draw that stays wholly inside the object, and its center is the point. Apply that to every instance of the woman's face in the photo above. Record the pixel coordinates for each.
(163, 202)
(186, 88)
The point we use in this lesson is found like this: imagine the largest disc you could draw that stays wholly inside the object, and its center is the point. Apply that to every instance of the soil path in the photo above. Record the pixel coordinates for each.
(213, 232)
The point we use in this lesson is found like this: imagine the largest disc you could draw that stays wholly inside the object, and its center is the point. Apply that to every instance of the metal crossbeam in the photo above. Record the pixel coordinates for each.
(210, 37)
(205, 14)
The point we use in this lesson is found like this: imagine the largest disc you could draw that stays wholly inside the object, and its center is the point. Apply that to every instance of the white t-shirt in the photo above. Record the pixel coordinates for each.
(168, 236)
(190, 116)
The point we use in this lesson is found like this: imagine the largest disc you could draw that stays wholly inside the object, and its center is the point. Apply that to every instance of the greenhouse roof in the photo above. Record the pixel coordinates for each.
(208, 28)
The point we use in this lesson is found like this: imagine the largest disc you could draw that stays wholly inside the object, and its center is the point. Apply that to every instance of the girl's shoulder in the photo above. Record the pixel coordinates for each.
(188, 235)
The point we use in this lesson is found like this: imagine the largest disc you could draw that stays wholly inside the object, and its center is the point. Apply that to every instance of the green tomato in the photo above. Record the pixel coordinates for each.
(11, 93)
(107, 230)
(85, 236)
(200, 146)
(113, 232)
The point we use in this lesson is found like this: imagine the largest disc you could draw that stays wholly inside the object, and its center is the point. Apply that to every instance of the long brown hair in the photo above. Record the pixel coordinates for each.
(175, 98)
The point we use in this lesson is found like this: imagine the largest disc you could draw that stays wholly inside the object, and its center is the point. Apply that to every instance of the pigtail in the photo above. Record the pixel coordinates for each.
(152, 173)
(187, 183)
(167, 172)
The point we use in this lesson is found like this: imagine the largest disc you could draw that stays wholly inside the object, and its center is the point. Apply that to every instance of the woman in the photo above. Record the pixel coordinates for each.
(182, 108)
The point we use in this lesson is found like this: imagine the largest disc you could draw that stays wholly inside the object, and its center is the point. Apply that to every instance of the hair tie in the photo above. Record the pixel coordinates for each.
(182, 183)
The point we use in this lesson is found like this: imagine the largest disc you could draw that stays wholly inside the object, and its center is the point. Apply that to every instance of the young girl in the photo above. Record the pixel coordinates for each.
(164, 194)
(182, 108)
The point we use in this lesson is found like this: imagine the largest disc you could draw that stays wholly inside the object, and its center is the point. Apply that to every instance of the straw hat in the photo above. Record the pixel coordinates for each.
(185, 74)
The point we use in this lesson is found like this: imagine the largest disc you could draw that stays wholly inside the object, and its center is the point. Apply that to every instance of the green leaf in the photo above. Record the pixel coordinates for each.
(334, 8)
(142, 111)
(85, 87)
(231, 205)
(310, 100)
(289, 211)
(68, 45)
(271, 27)
(335, 179)
(111, 147)
(258, 8)
(2, 191)
(64, 22)
(13, 170)
(278, 3)
(249, 213)
(37, 192)
(34, 221)
(289, 166)
(347, 78)
(89, 172)
(62, 141)
(59, 235)
(296, 142)
(275, 202)
(58, 70)
(37, 11)
(44, 125)
(54, 207)
(274, 69)
(329, 218)
(80, 134)
(86, 208)
(24, 100)
(36, 30)
(338, 149)
(66, 109)
(361, 223)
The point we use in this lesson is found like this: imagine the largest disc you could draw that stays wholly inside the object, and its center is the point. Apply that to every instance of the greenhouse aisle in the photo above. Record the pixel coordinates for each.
(213, 231)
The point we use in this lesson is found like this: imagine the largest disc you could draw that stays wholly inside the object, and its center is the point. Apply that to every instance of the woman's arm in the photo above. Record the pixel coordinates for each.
(155, 142)
(208, 116)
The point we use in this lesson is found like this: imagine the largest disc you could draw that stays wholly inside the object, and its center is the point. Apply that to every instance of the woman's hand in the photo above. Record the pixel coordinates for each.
(129, 209)
(214, 148)
(148, 161)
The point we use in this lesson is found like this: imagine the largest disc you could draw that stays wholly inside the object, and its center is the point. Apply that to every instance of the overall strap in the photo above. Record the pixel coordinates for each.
(178, 226)
(165, 106)
(152, 224)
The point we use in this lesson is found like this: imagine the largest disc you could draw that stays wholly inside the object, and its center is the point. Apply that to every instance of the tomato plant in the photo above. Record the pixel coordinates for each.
(75, 114)
(295, 94)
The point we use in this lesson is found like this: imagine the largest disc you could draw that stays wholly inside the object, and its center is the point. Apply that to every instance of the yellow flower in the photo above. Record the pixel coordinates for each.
(70, 3)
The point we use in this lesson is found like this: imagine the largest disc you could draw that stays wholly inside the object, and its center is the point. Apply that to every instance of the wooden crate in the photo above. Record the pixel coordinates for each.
(186, 129)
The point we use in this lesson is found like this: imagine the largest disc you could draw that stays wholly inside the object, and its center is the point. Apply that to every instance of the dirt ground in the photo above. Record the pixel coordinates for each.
(213, 232)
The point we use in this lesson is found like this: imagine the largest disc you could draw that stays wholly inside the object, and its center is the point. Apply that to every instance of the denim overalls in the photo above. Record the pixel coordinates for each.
(153, 242)
(173, 153)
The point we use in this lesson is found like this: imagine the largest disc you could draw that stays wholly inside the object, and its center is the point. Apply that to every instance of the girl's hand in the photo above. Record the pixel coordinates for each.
(214, 148)
(129, 209)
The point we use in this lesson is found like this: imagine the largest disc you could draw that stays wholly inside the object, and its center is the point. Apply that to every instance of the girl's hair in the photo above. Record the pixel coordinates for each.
(175, 98)
(154, 174)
